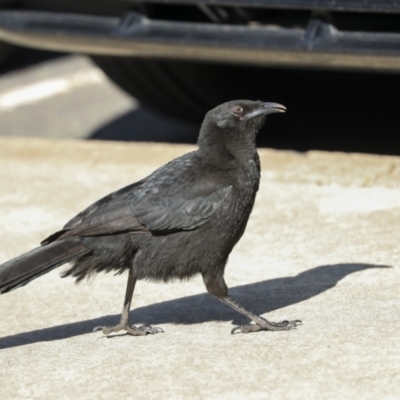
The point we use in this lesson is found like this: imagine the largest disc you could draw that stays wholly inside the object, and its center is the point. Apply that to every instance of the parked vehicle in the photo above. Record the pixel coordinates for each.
(181, 57)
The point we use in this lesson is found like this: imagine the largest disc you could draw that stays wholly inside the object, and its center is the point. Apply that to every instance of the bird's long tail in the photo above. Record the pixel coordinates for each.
(29, 266)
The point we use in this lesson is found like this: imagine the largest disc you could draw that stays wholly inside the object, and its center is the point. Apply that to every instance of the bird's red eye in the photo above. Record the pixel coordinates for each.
(237, 109)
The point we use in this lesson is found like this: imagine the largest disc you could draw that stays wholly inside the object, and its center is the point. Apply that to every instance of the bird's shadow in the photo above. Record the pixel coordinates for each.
(260, 298)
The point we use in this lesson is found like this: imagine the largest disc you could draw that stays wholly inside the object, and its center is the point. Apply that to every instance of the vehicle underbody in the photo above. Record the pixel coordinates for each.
(182, 57)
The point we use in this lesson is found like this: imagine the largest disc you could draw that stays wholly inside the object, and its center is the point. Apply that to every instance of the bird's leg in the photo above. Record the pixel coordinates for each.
(217, 287)
(124, 323)
(260, 323)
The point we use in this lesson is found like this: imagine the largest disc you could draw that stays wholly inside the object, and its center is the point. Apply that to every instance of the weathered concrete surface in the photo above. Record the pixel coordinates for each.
(322, 245)
(71, 98)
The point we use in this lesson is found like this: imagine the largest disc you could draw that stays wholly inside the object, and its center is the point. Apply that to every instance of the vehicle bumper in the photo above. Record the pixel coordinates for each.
(318, 45)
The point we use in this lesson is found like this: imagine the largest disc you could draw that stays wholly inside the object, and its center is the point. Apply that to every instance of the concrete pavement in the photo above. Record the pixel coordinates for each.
(322, 245)
(69, 97)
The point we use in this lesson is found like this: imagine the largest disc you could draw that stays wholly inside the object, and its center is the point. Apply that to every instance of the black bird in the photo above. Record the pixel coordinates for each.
(183, 219)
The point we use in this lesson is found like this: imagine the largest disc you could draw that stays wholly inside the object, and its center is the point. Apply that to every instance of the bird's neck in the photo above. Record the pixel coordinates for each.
(225, 148)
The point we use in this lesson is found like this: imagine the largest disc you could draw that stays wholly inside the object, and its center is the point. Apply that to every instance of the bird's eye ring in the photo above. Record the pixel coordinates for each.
(237, 109)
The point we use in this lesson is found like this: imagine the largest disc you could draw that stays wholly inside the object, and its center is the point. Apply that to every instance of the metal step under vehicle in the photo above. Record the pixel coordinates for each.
(361, 6)
(320, 44)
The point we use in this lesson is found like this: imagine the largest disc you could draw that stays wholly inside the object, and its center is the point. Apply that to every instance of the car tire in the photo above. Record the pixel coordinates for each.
(6, 51)
(184, 89)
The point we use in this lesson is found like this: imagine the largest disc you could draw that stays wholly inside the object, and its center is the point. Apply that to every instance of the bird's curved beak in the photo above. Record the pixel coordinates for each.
(265, 109)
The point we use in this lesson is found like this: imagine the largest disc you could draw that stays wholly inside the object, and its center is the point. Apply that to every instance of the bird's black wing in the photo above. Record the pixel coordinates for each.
(114, 200)
(108, 215)
(177, 196)
(180, 196)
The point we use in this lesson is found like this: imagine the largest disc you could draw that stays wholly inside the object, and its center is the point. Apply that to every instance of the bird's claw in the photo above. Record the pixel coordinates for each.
(130, 329)
(149, 329)
(268, 326)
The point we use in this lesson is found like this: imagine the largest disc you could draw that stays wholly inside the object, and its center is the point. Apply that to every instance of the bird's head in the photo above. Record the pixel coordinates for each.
(231, 128)
(243, 114)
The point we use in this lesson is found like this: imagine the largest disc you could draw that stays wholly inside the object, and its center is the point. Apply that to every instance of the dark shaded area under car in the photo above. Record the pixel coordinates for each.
(327, 110)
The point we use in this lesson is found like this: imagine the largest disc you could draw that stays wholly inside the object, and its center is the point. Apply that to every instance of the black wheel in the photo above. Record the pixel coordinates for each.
(6, 52)
(183, 89)
(326, 110)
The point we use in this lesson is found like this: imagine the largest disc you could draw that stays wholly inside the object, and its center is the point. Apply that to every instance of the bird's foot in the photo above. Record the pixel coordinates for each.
(265, 325)
(130, 329)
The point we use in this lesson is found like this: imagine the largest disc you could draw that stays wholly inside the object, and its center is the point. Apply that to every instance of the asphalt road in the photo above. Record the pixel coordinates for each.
(69, 97)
